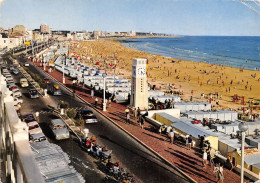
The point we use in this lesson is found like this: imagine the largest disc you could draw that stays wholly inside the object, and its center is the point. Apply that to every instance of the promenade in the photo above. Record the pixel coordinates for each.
(189, 161)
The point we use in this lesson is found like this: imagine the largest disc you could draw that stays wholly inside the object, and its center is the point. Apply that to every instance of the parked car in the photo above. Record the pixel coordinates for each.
(9, 80)
(17, 101)
(26, 64)
(16, 93)
(13, 87)
(33, 93)
(37, 137)
(28, 118)
(88, 116)
(35, 132)
(16, 71)
(10, 84)
(7, 75)
(46, 80)
(11, 67)
(24, 82)
(59, 129)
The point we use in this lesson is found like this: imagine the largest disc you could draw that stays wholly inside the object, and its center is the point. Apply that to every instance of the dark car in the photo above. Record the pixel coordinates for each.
(15, 71)
(88, 116)
(55, 90)
(33, 93)
(28, 118)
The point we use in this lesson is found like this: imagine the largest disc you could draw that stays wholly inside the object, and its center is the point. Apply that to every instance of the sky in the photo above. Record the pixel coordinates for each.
(179, 17)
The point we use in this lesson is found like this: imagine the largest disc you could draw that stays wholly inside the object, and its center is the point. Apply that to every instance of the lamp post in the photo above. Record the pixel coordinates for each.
(63, 78)
(104, 91)
(243, 128)
(44, 65)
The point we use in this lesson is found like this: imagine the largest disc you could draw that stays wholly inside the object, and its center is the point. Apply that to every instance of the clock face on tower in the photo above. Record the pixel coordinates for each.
(141, 71)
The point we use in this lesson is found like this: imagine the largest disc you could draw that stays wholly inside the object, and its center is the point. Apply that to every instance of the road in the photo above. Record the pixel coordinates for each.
(144, 165)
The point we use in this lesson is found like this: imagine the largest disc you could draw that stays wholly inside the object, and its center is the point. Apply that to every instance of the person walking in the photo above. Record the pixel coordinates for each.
(212, 153)
(142, 121)
(138, 112)
(74, 92)
(204, 158)
(126, 111)
(216, 169)
(109, 103)
(220, 174)
(189, 142)
(96, 101)
(127, 118)
(92, 93)
(135, 113)
(171, 135)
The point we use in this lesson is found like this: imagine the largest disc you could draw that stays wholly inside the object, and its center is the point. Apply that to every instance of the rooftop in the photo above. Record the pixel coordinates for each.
(54, 163)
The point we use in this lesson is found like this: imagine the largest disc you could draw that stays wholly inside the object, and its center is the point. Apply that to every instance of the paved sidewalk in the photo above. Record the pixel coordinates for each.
(189, 161)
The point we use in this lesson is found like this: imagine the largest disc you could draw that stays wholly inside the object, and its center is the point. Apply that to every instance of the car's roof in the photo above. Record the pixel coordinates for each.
(28, 114)
(32, 123)
(57, 122)
(37, 135)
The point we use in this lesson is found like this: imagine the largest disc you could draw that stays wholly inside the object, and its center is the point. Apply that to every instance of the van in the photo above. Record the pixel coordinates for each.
(24, 82)
(59, 129)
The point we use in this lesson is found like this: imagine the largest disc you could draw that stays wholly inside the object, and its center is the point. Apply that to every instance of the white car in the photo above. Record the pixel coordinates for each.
(26, 64)
(35, 132)
(16, 93)
(10, 80)
(17, 101)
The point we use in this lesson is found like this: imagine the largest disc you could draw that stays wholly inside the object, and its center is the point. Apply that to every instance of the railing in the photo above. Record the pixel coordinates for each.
(17, 156)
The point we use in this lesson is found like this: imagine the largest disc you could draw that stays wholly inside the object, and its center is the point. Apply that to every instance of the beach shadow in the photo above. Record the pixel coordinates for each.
(188, 155)
(197, 174)
(182, 157)
(154, 136)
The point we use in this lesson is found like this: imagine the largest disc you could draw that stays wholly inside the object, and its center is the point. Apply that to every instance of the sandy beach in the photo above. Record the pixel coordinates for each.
(191, 78)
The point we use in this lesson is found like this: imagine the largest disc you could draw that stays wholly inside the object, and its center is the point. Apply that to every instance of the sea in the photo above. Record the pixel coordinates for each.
(232, 51)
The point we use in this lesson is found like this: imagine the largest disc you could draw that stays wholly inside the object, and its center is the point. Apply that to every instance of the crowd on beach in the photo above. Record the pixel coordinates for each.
(199, 77)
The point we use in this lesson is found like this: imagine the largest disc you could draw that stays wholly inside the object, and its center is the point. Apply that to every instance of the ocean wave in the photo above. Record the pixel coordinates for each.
(164, 48)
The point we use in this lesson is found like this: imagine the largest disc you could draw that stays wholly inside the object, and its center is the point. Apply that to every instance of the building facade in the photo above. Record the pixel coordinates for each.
(45, 29)
(18, 30)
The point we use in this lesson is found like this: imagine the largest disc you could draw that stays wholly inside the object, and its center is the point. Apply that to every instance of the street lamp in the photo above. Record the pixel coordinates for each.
(243, 128)
(63, 78)
(104, 91)
(44, 65)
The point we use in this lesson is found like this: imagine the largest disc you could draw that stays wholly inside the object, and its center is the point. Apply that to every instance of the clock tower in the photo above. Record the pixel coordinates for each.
(139, 87)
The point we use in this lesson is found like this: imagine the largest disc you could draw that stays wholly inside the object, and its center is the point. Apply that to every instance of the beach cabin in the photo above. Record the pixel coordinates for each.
(168, 97)
(228, 145)
(252, 161)
(253, 141)
(155, 93)
(192, 106)
(222, 115)
(227, 128)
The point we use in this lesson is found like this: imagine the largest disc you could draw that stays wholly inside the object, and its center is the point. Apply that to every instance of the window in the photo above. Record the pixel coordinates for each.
(141, 85)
